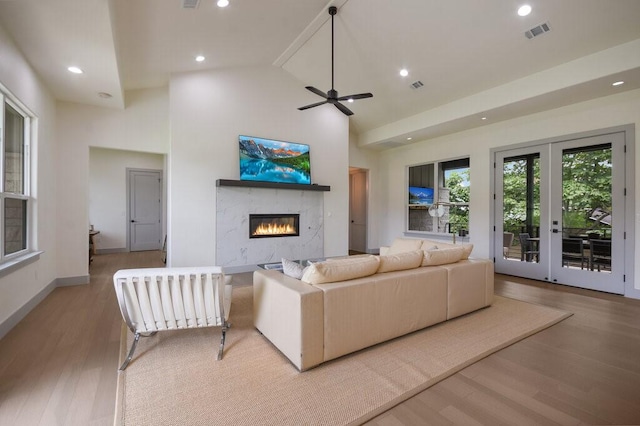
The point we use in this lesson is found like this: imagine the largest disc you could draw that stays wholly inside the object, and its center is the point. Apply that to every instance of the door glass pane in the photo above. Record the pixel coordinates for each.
(15, 225)
(521, 207)
(587, 208)
(13, 151)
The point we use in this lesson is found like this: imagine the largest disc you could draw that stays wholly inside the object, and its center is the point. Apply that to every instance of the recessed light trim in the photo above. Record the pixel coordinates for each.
(200, 58)
(223, 3)
(75, 70)
(618, 83)
(404, 72)
(524, 10)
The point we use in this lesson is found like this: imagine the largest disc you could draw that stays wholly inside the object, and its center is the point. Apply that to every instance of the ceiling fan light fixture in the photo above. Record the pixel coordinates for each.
(332, 97)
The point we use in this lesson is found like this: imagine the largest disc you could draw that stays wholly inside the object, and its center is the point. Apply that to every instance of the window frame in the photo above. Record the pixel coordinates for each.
(6, 98)
(438, 170)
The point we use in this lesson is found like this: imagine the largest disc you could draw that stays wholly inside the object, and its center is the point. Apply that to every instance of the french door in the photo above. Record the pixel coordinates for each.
(560, 214)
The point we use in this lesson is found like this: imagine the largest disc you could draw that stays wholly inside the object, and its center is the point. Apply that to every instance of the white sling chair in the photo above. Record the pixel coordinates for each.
(158, 299)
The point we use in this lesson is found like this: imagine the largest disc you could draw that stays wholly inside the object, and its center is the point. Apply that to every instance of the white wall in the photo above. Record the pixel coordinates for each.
(142, 126)
(108, 193)
(616, 110)
(19, 287)
(208, 112)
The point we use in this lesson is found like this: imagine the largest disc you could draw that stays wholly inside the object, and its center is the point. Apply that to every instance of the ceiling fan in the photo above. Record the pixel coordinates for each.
(331, 97)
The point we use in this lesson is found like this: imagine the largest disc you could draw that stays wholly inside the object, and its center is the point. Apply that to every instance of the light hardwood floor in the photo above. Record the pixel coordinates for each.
(58, 366)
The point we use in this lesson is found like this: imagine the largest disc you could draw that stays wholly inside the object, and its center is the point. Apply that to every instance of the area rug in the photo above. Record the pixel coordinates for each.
(174, 378)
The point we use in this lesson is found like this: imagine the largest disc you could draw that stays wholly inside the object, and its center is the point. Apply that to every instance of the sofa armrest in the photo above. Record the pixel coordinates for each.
(290, 314)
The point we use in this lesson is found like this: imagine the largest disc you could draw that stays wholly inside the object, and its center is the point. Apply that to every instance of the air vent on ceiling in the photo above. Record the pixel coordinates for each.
(538, 30)
(190, 4)
(417, 84)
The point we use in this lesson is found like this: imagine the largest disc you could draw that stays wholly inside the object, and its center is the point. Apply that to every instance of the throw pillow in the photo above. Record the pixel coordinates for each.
(442, 256)
(341, 270)
(400, 261)
(292, 269)
(403, 245)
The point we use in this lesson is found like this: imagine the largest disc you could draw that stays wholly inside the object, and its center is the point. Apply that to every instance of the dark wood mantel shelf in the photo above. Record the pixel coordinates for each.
(272, 185)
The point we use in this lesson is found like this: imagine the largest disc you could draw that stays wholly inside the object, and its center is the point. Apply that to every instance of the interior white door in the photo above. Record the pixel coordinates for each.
(358, 211)
(560, 214)
(145, 210)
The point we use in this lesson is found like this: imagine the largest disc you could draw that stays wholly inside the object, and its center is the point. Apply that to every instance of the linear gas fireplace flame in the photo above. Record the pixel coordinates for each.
(274, 225)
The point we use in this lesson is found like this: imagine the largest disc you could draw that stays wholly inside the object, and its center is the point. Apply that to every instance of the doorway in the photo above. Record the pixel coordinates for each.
(144, 209)
(560, 212)
(358, 210)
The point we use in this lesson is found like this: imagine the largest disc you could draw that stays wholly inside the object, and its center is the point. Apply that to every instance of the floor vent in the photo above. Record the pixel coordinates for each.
(190, 4)
(417, 84)
(538, 30)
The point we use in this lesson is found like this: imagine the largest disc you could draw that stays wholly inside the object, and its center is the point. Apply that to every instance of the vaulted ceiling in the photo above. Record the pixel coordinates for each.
(472, 56)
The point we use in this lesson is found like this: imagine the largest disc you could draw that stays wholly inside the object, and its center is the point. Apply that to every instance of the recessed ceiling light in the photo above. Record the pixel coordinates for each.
(524, 10)
(409, 139)
(75, 70)
(404, 72)
(105, 95)
(618, 83)
(223, 3)
(199, 58)
(483, 118)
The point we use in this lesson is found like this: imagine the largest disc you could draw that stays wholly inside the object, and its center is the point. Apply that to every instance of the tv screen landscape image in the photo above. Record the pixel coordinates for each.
(420, 195)
(268, 160)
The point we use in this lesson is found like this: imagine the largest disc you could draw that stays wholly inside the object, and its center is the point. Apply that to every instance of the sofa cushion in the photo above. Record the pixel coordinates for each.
(429, 245)
(400, 261)
(443, 256)
(341, 269)
(403, 245)
(292, 269)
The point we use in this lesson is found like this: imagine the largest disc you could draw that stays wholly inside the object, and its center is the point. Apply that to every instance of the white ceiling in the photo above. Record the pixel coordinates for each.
(471, 55)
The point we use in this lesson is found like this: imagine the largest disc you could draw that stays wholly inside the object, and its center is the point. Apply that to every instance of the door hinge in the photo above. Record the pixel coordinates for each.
(625, 192)
(624, 278)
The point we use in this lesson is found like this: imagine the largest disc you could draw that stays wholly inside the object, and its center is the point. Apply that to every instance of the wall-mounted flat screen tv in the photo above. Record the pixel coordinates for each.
(268, 160)
(420, 195)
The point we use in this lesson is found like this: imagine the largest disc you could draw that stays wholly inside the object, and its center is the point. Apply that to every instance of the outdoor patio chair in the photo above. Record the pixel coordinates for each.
(573, 251)
(600, 254)
(527, 251)
(507, 240)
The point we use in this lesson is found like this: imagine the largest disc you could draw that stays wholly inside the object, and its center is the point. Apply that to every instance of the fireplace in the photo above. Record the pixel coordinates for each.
(274, 225)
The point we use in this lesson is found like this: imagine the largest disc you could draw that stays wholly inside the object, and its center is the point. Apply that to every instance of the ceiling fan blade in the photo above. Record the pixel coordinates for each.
(343, 108)
(316, 91)
(354, 97)
(312, 105)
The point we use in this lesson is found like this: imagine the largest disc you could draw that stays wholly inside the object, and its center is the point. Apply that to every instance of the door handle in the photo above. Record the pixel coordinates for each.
(132, 221)
(555, 231)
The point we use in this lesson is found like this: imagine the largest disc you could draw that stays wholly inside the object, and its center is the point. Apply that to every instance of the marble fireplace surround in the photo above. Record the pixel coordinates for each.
(236, 200)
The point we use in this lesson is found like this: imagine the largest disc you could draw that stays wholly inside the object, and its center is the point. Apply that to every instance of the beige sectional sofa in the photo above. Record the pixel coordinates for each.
(340, 306)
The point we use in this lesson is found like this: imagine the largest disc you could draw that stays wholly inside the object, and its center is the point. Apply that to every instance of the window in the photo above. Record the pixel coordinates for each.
(438, 198)
(14, 186)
